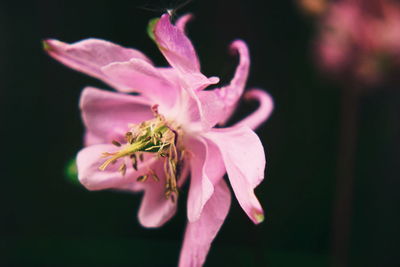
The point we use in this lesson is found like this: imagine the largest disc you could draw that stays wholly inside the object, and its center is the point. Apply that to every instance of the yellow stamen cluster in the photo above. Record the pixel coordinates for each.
(154, 136)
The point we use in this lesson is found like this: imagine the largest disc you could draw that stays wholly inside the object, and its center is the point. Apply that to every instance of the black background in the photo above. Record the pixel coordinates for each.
(45, 220)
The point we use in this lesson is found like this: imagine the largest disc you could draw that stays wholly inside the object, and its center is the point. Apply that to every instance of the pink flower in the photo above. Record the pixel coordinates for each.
(360, 40)
(151, 141)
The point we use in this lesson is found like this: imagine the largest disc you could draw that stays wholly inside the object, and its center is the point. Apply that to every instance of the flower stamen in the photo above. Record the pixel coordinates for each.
(116, 143)
(156, 136)
(122, 169)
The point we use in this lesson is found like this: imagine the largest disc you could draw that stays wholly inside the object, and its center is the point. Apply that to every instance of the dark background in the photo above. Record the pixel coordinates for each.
(46, 220)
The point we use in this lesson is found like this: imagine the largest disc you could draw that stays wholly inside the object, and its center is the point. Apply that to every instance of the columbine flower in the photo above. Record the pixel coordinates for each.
(151, 141)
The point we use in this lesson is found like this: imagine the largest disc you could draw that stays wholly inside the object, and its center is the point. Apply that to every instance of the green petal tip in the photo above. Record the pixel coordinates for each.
(259, 216)
(150, 28)
(46, 45)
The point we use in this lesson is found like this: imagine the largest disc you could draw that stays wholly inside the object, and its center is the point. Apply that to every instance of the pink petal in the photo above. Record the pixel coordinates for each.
(107, 115)
(244, 159)
(212, 106)
(92, 139)
(201, 109)
(139, 76)
(89, 160)
(262, 113)
(90, 55)
(180, 53)
(207, 168)
(182, 21)
(175, 46)
(156, 209)
(200, 234)
(232, 92)
(201, 187)
(170, 74)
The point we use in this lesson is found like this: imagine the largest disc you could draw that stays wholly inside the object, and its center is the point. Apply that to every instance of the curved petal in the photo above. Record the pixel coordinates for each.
(180, 53)
(262, 113)
(212, 106)
(207, 168)
(90, 55)
(200, 234)
(107, 115)
(156, 209)
(201, 188)
(244, 159)
(214, 165)
(182, 21)
(232, 92)
(89, 160)
(176, 46)
(139, 76)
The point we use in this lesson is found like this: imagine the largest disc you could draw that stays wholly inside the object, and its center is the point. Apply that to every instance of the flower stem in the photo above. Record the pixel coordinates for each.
(343, 195)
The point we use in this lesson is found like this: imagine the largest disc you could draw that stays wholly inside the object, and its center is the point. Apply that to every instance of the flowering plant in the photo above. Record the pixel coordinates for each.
(152, 140)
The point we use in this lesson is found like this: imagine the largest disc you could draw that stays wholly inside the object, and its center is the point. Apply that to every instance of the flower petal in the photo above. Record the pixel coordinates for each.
(156, 209)
(139, 76)
(201, 188)
(262, 113)
(212, 107)
(92, 139)
(107, 115)
(207, 168)
(199, 109)
(182, 21)
(175, 46)
(90, 55)
(200, 234)
(180, 53)
(232, 92)
(89, 160)
(244, 159)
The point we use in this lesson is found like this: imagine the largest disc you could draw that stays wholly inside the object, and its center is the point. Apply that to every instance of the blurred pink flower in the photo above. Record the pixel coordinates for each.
(151, 141)
(360, 40)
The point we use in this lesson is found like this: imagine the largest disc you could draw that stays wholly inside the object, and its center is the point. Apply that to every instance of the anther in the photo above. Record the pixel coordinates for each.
(134, 161)
(116, 143)
(175, 135)
(122, 169)
(154, 176)
(129, 137)
(142, 178)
